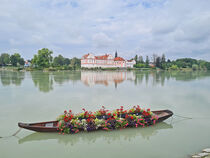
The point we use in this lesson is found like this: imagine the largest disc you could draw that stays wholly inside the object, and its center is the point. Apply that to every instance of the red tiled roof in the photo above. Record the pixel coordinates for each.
(85, 56)
(119, 59)
(103, 57)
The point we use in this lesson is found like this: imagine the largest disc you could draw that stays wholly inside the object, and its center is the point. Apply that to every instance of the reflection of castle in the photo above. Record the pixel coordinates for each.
(106, 78)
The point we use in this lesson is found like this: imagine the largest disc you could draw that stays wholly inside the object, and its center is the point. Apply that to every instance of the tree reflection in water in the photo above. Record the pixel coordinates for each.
(46, 80)
(42, 80)
(128, 134)
(11, 77)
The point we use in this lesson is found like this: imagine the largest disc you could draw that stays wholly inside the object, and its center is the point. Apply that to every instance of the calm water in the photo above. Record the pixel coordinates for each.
(42, 96)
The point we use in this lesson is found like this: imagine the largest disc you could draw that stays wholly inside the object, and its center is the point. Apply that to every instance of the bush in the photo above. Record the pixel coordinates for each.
(174, 67)
(194, 67)
(140, 65)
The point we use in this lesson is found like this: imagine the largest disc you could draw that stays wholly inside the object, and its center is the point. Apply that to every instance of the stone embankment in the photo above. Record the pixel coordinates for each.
(204, 154)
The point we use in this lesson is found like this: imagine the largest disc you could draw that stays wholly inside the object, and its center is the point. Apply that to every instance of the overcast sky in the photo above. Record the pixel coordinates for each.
(178, 28)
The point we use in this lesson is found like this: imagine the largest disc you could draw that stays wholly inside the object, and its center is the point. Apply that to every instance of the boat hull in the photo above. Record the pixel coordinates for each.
(51, 126)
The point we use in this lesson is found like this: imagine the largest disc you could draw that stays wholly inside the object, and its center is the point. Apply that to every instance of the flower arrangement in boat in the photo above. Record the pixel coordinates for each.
(105, 119)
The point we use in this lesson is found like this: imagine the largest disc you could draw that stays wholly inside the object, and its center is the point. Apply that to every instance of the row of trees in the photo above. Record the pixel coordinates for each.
(162, 63)
(44, 59)
(14, 59)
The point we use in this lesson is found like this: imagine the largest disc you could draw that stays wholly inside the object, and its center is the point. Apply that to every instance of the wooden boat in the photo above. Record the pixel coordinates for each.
(51, 126)
(145, 134)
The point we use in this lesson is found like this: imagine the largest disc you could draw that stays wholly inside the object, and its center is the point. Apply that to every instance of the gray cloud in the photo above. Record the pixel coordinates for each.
(175, 27)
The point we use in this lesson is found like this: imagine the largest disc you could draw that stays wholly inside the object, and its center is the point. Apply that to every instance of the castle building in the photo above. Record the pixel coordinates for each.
(105, 61)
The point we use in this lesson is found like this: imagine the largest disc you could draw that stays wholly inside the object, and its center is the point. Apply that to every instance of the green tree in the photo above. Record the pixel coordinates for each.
(163, 59)
(16, 59)
(58, 61)
(163, 62)
(195, 67)
(158, 62)
(207, 65)
(140, 65)
(4, 59)
(43, 58)
(147, 61)
(75, 63)
(21, 61)
(141, 60)
(154, 56)
(66, 61)
(136, 58)
(174, 67)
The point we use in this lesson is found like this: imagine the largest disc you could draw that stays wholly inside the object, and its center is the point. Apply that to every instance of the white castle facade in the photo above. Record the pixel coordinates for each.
(105, 61)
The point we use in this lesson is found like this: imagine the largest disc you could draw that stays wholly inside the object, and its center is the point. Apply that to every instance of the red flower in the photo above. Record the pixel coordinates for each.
(131, 117)
(66, 119)
(126, 116)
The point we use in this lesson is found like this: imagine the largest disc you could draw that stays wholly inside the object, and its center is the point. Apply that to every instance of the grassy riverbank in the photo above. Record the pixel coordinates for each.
(63, 68)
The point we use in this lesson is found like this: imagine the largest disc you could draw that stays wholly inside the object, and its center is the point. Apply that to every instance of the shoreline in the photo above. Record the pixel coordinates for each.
(57, 69)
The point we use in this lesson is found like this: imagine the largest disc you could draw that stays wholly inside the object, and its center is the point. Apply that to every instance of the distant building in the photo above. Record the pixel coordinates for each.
(27, 63)
(105, 61)
(151, 64)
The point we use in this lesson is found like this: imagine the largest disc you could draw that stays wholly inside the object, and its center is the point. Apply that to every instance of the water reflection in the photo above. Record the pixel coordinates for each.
(125, 134)
(106, 78)
(42, 80)
(159, 77)
(11, 77)
(45, 81)
(65, 76)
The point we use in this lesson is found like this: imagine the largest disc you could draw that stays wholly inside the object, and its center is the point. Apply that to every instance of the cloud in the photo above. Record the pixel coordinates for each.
(101, 40)
(74, 27)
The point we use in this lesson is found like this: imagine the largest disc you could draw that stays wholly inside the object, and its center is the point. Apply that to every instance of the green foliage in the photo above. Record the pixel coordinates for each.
(43, 58)
(4, 59)
(158, 62)
(207, 64)
(140, 65)
(147, 62)
(58, 61)
(185, 62)
(195, 67)
(174, 67)
(61, 61)
(66, 61)
(75, 63)
(141, 60)
(136, 58)
(16, 59)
